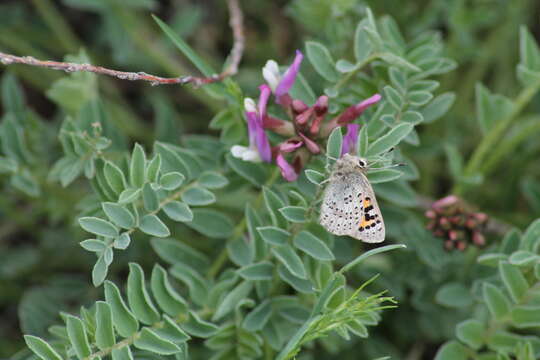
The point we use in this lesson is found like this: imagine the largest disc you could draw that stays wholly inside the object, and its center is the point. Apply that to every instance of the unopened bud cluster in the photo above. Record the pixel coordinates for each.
(450, 220)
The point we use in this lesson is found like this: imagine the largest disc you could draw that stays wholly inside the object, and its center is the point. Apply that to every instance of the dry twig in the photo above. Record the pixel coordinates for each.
(236, 23)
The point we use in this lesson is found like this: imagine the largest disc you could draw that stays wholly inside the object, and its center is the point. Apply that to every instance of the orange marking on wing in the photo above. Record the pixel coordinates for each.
(366, 202)
(365, 223)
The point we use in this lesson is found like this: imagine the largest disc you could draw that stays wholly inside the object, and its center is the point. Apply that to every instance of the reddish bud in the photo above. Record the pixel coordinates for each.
(311, 145)
(303, 118)
(452, 235)
(279, 126)
(448, 245)
(321, 106)
(461, 245)
(444, 223)
(470, 223)
(478, 239)
(481, 217)
(445, 201)
(430, 214)
(298, 106)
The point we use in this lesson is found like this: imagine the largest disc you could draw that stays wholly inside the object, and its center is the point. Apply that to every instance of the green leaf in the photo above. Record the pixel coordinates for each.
(173, 251)
(376, 176)
(129, 195)
(369, 253)
(119, 215)
(122, 242)
(274, 235)
(313, 246)
(258, 317)
(167, 298)
(152, 225)
(523, 258)
(491, 259)
(454, 295)
(138, 298)
(122, 354)
(150, 198)
(514, 280)
(398, 61)
(288, 257)
(471, 332)
(212, 180)
(259, 271)
(171, 181)
(301, 285)
(438, 107)
(393, 97)
(98, 226)
(41, 348)
(198, 196)
(124, 321)
(198, 327)
(322, 61)
(531, 236)
(104, 326)
(178, 211)
(419, 98)
(397, 78)
(526, 316)
(296, 214)
(497, 303)
(344, 66)
(150, 341)
(529, 53)
(241, 251)
(390, 139)
(12, 95)
(211, 223)
(315, 177)
(254, 173)
(93, 245)
(362, 44)
(230, 301)
(137, 166)
(490, 108)
(452, 350)
(171, 159)
(77, 336)
(273, 203)
(153, 168)
(115, 177)
(172, 332)
(7, 165)
(185, 48)
(333, 146)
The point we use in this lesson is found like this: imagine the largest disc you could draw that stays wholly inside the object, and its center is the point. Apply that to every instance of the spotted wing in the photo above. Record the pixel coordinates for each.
(342, 209)
(371, 226)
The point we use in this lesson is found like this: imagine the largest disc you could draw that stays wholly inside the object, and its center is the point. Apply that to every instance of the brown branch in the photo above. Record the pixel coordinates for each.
(236, 23)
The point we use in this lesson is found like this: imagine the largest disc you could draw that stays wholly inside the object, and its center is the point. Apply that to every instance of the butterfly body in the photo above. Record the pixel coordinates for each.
(349, 206)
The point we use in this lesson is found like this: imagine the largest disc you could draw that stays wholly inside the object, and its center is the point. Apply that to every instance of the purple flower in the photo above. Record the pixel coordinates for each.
(287, 171)
(351, 139)
(350, 114)
(281, 84)
(289, 77)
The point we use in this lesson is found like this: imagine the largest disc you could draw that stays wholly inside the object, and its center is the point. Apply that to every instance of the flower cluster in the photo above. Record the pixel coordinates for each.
(450, 220)
(305, 130)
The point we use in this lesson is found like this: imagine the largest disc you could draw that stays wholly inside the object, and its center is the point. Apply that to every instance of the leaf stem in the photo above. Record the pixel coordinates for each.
(489, 142)
(358, 67)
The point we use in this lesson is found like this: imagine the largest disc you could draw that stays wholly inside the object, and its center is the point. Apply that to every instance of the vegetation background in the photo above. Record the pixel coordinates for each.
(44, 270)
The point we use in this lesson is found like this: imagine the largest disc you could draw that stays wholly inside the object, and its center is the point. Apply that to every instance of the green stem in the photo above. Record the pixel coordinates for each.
(353, 73)
(506, 147)
(238, 231)
(57, 24)
(489, 142)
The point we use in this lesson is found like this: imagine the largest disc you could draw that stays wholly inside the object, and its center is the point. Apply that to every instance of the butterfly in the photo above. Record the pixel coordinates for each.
(349, 205)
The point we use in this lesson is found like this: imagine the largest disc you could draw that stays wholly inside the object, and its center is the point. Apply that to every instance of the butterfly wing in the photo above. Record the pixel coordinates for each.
(371, 226)
(349, 208)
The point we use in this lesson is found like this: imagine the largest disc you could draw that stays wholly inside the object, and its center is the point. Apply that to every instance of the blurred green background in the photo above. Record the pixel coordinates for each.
(37, 240)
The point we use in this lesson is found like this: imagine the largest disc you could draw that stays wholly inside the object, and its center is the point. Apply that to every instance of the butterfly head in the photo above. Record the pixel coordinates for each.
(350, 163)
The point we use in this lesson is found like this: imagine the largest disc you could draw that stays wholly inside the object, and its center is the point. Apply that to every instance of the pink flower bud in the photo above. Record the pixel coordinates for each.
(478, 239)
(430, 214)
(445, 201)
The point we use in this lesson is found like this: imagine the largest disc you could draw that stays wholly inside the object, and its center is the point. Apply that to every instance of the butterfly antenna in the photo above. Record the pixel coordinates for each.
(392, 166)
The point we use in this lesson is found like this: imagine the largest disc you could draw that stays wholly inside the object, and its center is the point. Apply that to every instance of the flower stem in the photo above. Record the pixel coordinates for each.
(358, 67)
(489, 142)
